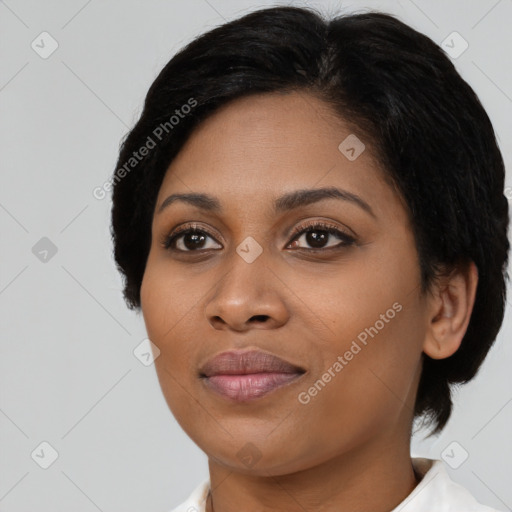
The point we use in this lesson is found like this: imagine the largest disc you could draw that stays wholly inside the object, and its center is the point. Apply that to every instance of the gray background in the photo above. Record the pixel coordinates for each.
(68, 374)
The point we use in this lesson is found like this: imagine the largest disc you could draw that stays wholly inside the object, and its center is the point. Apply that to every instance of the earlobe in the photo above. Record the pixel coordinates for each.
(450, 307)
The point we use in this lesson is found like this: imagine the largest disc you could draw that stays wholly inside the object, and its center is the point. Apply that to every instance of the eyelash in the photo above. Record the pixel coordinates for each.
(347, 240)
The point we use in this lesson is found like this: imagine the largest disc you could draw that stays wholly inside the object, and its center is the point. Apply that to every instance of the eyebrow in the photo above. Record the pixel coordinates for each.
(286, 202)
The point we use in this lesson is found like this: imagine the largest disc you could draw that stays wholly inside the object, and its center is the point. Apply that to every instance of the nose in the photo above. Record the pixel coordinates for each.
(248, 296)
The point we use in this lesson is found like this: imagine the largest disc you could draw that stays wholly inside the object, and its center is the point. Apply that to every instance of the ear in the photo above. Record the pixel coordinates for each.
(450, 305)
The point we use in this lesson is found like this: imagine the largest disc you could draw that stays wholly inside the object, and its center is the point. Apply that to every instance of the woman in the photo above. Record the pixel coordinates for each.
(310, 216)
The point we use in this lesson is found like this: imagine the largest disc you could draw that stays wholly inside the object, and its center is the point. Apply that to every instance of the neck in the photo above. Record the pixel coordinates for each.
(355, 482)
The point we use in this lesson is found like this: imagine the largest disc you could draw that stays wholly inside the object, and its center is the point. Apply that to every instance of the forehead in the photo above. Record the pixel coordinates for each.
(265, 145)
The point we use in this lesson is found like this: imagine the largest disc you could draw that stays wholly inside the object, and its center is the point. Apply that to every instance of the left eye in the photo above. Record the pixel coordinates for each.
(317, 234)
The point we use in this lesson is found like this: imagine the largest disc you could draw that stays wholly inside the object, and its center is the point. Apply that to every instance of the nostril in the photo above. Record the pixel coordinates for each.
(259, 318)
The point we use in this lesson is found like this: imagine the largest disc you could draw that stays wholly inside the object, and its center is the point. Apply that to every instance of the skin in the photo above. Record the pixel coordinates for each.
(347, 449)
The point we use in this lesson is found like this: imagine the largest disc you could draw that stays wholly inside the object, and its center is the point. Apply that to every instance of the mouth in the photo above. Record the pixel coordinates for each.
(246, 376)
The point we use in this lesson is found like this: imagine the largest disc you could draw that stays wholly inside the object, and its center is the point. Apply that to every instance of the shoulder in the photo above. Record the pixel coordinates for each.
(196, 501)
(437, 491)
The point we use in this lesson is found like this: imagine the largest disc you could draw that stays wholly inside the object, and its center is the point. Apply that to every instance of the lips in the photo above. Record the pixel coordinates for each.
(246, 376)
(244, 363)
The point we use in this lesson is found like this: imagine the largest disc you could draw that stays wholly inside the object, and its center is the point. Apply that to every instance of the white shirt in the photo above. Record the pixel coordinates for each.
(436, 492)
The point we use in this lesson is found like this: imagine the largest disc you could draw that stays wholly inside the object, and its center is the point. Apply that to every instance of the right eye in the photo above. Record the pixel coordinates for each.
(186, 239)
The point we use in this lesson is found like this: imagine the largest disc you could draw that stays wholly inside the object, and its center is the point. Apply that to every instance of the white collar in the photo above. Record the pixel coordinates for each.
(435, 491)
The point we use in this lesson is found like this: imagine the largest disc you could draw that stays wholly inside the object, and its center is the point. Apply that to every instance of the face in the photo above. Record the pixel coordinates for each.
(330, 284)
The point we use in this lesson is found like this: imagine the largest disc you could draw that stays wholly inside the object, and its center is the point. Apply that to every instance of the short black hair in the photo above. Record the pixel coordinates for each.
(398, 91)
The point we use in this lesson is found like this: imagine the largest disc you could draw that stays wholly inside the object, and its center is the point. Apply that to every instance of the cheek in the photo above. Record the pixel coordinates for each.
(156, 305)
(166, 306)
(366, 300)
(372, 388)
(375, 327)
(167, 301)
(172, 308)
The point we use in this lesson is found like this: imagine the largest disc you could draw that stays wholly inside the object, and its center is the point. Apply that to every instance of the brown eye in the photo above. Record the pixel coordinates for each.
(187, 240)
(318, 234)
